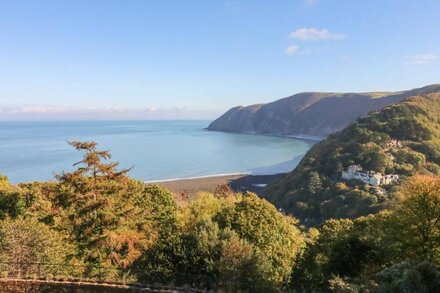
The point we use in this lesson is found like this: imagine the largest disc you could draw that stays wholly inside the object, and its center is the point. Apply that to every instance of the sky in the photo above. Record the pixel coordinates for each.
(194, 59)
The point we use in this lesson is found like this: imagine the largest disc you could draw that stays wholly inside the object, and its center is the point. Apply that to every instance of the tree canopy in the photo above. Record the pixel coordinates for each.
(98, 223)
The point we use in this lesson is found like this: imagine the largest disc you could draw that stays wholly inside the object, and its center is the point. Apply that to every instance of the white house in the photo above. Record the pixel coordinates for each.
(369, 177)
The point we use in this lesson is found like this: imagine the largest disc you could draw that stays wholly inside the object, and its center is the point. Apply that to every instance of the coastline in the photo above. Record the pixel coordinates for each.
(253, 181)
(306, 137)
(297, 136)
(189, 187)
(197, 177)
(186, 188)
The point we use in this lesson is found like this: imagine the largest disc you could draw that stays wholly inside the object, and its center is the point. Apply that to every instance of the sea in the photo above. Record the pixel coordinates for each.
(156, 150)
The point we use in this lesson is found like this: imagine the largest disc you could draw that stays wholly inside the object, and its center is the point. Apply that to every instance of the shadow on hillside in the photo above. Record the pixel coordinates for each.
(283, 167)
(253, 183)
(261, 177)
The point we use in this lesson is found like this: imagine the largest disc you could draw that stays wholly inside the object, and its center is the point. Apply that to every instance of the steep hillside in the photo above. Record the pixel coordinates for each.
(402, 139)
(316, 114)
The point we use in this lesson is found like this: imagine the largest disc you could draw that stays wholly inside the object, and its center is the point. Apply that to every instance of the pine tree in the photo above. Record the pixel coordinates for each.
(96, 205)
(315, 183)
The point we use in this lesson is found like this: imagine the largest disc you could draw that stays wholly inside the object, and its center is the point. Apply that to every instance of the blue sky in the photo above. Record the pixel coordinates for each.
(194, 59)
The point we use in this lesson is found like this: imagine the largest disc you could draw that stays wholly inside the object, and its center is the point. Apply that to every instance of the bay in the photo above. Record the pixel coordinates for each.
(156, 150)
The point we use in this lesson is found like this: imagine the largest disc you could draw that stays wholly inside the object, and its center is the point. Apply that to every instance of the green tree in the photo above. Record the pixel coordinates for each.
(311, 269)
(158, 262)
(201, 250)
(26, 241)
(315, 183)
(238, 263)
(98, 206)
(275, 236)
(4, 181)
(409, 277)
(414, 227)
(12, 201)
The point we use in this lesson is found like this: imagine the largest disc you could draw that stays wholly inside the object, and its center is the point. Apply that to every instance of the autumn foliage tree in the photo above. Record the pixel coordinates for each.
(97, 204)
(415, 224)
(25, 242)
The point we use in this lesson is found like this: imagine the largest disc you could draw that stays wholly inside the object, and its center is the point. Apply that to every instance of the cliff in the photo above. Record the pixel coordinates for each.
(312, 113)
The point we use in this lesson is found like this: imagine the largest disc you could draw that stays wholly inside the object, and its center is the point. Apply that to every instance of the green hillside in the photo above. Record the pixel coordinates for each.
(314, 191)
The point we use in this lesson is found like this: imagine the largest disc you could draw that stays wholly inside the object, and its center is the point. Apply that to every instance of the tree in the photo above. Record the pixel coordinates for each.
(92, 162)
(409, 277)
(98, 206)
(12, 201)
(24, 242)
(276, 237)
(415, 224)
(3, 181)
(238, 263)
(311, 269)
(315, 183)
(158, 262)
(201, 250)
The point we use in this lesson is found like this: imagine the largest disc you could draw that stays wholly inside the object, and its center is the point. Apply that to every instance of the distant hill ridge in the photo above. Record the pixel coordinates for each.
(309, 113)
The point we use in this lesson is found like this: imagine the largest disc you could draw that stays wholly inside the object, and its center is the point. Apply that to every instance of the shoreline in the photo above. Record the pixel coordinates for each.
(189, 187)
(297, 136)
(197, 177)
(306, 137)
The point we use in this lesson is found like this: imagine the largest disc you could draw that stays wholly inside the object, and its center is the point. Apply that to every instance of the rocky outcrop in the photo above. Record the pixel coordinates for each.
(313, 113)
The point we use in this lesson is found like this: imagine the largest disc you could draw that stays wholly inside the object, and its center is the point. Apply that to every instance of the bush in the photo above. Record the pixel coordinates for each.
(409, 277)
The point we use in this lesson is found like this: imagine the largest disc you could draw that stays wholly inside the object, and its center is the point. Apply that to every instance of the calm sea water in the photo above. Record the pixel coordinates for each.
(157, 149)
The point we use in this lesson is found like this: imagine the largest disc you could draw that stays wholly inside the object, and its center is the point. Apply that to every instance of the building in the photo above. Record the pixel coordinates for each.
(370, 177)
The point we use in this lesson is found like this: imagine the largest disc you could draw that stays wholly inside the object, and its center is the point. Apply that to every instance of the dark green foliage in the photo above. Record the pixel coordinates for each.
(391, 251)
(274, 235)
(408, 276)
(315, 184)
(348, 256)
(343, 248)
(159, 261)
(12, 202)
(241, 242)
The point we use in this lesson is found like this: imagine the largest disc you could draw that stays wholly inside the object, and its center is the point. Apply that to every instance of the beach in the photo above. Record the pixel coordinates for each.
(238, 183)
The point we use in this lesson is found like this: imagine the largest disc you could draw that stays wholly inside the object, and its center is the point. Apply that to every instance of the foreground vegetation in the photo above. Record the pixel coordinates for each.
(98, 223)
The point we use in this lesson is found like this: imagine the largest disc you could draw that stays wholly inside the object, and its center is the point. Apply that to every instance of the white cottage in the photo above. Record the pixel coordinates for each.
(369, 177)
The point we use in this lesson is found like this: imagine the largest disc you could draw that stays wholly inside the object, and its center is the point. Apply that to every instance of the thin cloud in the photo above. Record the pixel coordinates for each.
(314, 34)
(292, 49)
(38, 112)
(151, 109)
(422, 59)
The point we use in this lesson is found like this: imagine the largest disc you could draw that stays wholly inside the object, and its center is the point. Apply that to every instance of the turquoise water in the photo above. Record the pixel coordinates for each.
(156, 149)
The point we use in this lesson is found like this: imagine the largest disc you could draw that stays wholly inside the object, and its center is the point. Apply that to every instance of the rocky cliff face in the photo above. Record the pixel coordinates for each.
(315, 114)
